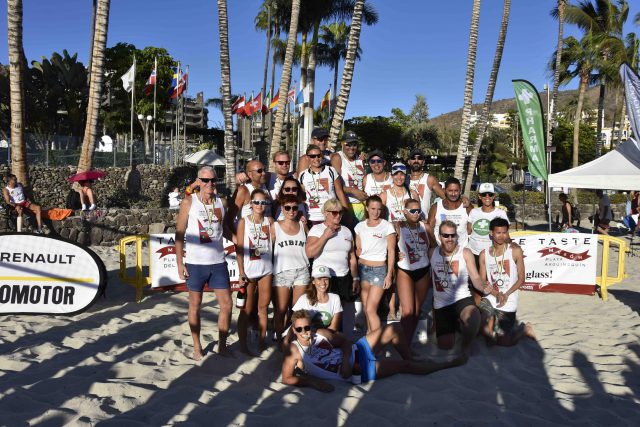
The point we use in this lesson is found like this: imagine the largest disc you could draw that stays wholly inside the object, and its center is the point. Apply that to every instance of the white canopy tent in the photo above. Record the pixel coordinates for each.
(205, 157)
(616, 170)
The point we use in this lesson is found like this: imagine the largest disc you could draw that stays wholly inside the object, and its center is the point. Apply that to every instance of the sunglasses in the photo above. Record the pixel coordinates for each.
(258, 170)
(314, 156)
(448, 235)
(322, 138)
(289, 189)
(290, 208)
(283, 162)
(376, 161)
(260, 202)
(486, 194)
(351, 144)
(206, 180)
(414, 211)
(417, 158)
(305, 328)
(335, 213)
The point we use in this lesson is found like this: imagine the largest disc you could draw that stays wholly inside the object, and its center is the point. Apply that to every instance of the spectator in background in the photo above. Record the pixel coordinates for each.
(174, 198)
(133, 181)
(15, 197)
(603, 214)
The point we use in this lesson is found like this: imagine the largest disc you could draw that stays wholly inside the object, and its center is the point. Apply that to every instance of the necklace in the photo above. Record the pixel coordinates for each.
(445, 282)
(499, 266)
(378, 189)
(416, 186)
(257, 234)
(415, 243)
(210, 215)
(316, 187)
(398, 210)
(356, 175)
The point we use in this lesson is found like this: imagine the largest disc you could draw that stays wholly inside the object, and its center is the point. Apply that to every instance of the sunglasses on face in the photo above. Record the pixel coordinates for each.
(305, 328)
(206, 180)
(448, 235)
(375, 161)
(335, 213)
(290, 208)
(417, 158)
(486, 194)
(314, 156)
(351, 144)
(258, 170)
(322, 138)
(260, 202)
(283, 162)
(413, 211)
(289, 189)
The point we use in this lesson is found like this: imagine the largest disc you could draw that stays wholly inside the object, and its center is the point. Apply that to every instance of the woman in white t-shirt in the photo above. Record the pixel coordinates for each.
(324, 307)
(375, 248)
(255, 237)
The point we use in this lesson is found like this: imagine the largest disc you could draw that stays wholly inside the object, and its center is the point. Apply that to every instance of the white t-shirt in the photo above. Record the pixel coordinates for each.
(322, 311)
(335, 253)
(373, 240)
(479, 238)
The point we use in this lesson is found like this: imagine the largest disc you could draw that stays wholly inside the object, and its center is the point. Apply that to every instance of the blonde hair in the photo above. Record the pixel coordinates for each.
(331, 205)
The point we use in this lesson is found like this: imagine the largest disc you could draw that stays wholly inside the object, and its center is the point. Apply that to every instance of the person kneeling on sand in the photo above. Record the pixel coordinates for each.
(503, 265)
(314, 357)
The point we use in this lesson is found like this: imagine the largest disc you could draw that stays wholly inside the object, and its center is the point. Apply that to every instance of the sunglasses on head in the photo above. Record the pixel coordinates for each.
(314, 156)
(375, 161)
(413, 211)
(260, 202)
(448, 235)
(282, 162)
(289, 189)
(258, 170)
(290, 208)
(335, 213)
(305, 328)
(486, 194)
(206, 180)
(417, 158)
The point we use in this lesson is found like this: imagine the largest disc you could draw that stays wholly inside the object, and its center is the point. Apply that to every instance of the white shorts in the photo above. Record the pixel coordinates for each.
(291, 278)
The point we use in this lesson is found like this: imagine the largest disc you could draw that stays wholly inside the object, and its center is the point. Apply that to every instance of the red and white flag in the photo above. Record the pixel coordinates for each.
(238, 105)
(151, 81)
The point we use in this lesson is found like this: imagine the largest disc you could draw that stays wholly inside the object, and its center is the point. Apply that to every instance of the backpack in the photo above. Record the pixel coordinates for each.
(575, 213)
(73, 200)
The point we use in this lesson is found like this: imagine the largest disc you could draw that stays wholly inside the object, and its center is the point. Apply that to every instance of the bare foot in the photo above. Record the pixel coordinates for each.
(197, 355)
(528, 331)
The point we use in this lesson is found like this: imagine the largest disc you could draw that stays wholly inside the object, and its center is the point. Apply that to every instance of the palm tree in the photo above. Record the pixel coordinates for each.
(558, 13)
(225, 75)
(95, 87)
(493, 77)
(347, 72)
(333, 48)
(16, 91)
(285, 81)
(468, 90)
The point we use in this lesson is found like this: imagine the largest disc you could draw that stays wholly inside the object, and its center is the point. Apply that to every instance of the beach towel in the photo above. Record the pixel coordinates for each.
(56, 214)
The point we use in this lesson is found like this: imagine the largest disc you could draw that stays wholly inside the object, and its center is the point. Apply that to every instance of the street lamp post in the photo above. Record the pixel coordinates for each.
(146, 122)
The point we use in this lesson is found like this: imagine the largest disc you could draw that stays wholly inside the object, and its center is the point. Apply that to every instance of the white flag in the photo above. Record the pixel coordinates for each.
(129, 77)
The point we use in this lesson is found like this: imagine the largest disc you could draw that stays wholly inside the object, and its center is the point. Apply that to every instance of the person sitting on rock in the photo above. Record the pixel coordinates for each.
(15, 197)
(87, 197)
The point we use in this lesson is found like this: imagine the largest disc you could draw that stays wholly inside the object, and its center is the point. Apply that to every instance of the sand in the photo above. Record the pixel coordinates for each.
(123, 363)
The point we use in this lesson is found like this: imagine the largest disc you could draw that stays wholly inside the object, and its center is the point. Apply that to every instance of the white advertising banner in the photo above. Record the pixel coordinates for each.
(163, 267)
(46, 275)
(560, 262)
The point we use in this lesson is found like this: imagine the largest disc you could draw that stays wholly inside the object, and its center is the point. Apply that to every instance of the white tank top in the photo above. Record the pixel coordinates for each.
(374, 188)
(459, 216)
(256, 248)
(414, 245)
(203, 236)
(502, 272)
(246, 209)
(352, 173)
(16, 194)
(322, 360)
(421, 187)
(396, 205)
(319, 188)
(288, 253)
(450, 278)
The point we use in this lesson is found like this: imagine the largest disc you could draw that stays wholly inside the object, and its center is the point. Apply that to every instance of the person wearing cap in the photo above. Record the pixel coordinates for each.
(451, 208)
(323, 306)
(320, 138)
(351, 169)
(421, 182)
(313, 357)
(378, 180)
(320, 183)
(394, 197)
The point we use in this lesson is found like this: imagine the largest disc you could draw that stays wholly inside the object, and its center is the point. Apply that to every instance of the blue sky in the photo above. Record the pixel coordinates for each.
(418, 46)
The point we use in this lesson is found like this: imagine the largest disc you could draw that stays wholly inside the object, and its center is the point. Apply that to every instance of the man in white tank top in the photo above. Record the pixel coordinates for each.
(201, 223)
(241, 206)
(351, 169)
(451, 208)
(421, 182)
(378, 180)
(15, 197)
(502, 266)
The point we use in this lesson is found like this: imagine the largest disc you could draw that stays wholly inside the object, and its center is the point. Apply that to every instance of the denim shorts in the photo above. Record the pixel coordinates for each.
(373, 275)
(215, 276)
(291, 278)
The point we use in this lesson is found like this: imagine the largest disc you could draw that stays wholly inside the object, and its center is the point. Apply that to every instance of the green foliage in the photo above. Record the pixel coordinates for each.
(495, 156)
(377, 133)
(417, 131)
(563, 141)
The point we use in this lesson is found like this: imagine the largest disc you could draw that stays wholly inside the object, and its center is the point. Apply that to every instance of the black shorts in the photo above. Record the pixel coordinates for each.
(447, 318)
(416, 274)
(342, 286)
(505, 321)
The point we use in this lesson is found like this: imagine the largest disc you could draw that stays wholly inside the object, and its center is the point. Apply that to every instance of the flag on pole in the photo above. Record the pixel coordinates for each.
(175, 82)
(326, 99)
(274, 102)
(265, 103)
(292, 94)
(256, 103)
(531, 122)
(183, 82)
(151, 81)
(247, 107)
(238, 105)
(128, 79)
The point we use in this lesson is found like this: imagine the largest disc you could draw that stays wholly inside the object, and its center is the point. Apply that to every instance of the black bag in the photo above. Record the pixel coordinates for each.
(73, 200)
(575, 213)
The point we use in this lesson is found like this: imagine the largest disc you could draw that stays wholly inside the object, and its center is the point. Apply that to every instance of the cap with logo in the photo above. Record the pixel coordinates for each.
(319, 133)
(486, 187)
(398, 167)
(350, 136)
(320, 271)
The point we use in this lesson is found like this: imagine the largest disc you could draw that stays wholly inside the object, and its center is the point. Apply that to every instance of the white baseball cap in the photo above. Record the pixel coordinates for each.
(486, 187)
(320, 271)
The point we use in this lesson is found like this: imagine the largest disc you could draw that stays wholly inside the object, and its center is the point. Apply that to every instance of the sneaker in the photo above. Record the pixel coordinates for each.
(92, 207)
(39, 231)
(84, 207)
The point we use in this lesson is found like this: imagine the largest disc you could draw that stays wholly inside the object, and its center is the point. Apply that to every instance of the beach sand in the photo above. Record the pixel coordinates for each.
(123, 363)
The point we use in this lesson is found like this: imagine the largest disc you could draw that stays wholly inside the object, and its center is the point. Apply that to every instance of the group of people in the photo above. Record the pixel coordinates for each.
(314, 241)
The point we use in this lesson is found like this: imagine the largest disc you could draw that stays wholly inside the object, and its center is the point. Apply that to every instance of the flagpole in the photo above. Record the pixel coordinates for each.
(184, 115)
(155, 85)
(133, 95)
(178, 157)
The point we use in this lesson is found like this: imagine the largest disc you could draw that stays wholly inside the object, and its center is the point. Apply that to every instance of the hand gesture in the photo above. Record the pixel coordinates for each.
(329, 232)
(502, 299)
(182, 271)
(388, 281)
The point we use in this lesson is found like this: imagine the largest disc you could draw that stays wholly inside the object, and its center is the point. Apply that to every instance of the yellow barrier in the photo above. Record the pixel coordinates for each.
(138, 280)
(604, 280)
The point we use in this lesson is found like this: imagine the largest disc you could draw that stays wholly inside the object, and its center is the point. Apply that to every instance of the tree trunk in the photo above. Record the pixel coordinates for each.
(266, 72)
(615, 118)
(335, 80)
(556, 73)
(484, 117)
(347, 72)
(584, 80)
(304, 60)
(93, 30)
(16, 91)
(285, 81)
(600, 117)
(468, 90)
(225, 74)
(95, 88)
(273, 59)
(311, 68)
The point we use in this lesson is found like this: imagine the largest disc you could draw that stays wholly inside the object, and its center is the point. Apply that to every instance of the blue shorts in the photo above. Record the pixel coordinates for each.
(373, 275)
(366, 360)
(215, 276)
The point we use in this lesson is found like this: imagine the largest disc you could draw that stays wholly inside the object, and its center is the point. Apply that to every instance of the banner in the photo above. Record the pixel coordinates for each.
(531, 122)
(163, 267)
(46, 275)
(560, 262)
(631, 83)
